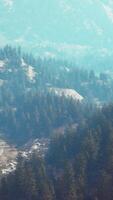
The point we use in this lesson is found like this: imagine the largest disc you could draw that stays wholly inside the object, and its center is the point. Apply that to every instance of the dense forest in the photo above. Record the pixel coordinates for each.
(28, 109)
(79, 159)
(20, 73)
(78, 165)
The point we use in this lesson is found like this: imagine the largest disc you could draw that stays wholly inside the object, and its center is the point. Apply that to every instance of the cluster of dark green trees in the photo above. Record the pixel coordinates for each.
(53, 73)
(27, 110)
(29, 182)
(38, 116)
(77, 166)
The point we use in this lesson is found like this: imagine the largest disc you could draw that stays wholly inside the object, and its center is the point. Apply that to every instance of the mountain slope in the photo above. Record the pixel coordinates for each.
(60, 28)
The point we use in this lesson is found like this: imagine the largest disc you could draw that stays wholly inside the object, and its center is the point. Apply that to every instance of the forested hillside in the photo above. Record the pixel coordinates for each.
(77, 166)
(55, 116)
(29, 108)
(56, 100)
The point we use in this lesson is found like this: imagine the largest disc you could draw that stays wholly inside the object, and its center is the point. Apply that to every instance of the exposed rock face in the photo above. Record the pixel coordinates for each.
(68, 93)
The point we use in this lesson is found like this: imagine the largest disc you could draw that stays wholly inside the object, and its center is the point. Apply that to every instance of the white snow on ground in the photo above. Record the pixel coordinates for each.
(2, 64)
(8, 154)
(9, 168)
(31, 73)
(68, 93)
(23, 64)
(38, 145)
(24, 154)
(67, 69)
(10, 70)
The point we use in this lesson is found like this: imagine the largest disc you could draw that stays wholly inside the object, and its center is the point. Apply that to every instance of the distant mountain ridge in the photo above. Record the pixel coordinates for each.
(64, 29)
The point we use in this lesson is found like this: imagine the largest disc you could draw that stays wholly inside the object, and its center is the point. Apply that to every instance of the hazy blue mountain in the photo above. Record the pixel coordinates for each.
(60, 28)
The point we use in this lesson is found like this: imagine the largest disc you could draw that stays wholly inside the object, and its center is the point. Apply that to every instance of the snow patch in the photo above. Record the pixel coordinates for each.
(31, 73)
(8, 156)
(38, 145)
(2, 64)
(67, 69)
(23, 64)
(68, 93)
(9, 168)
